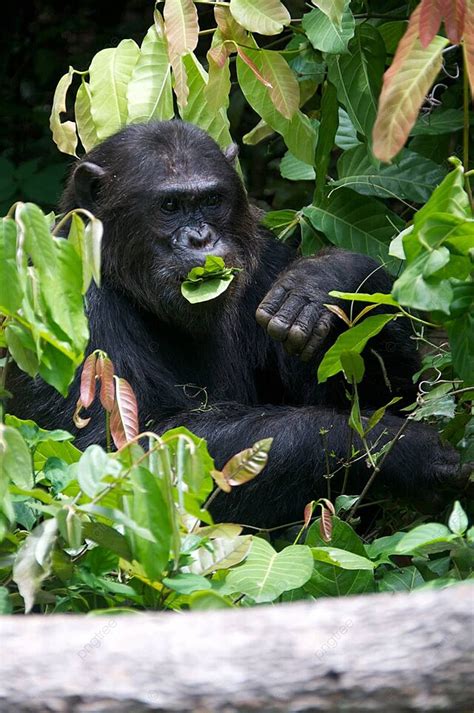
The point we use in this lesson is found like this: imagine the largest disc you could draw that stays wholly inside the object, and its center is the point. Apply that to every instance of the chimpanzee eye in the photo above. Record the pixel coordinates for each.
(170, 205)
(212, 200)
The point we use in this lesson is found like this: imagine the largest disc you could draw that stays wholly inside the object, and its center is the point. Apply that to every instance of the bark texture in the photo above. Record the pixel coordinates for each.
(385, 653)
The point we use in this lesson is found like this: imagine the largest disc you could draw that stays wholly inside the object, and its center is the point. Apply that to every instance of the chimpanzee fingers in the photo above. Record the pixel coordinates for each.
(320, 332)
(279, 326)
(301, 330)
(270, 305)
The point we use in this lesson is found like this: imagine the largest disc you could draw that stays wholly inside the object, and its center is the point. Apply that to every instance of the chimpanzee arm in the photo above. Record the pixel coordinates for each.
(295, 473)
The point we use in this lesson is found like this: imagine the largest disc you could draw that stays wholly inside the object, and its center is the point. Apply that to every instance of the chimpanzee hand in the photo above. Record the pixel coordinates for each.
(293, 311)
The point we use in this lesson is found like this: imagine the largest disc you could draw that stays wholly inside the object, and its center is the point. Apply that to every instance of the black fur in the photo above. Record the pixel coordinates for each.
(210, 366)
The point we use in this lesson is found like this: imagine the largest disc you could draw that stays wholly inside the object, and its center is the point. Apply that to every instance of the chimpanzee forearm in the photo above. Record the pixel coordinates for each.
(307, 443)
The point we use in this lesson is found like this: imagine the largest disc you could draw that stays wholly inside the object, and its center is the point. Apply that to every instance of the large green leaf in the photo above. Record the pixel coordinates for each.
(299, 133)
(363, 225)
(295, 170)
(83, 113)
(10, 287)
(33, 561)
(149, 93)
(266, 573)
(64, 133)
(110, 72)
(267, 17)
(15, 458)
(148, 507)
(357, 77)
(327, 35)
(196, 110)
(412, 177)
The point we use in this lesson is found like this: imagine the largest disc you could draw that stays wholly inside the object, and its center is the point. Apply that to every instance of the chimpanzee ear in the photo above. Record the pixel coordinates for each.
(231, 153)
(87, 178)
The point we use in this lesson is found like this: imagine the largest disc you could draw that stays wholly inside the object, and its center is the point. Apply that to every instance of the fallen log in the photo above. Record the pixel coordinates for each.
(402, 652)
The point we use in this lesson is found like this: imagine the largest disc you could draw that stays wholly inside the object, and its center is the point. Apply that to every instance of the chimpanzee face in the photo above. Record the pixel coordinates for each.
(168, 197)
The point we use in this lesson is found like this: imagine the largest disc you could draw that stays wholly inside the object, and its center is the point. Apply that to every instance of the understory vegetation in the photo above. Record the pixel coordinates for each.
(363, 110)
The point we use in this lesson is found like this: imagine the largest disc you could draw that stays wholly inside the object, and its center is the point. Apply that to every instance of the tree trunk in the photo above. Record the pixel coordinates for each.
(402, 652)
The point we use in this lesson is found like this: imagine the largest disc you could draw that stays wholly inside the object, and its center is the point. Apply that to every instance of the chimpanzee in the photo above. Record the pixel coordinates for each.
(241, 367)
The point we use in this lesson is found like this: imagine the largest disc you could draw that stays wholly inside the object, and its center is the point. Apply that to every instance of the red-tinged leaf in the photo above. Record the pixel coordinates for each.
(181, 26)
(308, 513)
(180, 80)
(335, 309)
(325, 524)
(245, 58)
(105, 372)
(328, 505)
(247, 464)
(124, 417)
(454, 18)
(220, 481)
(468, 44)
(219, 54)
(230, 28)
(405, 86)
(79, 422)
(88, 379)
(430, 20)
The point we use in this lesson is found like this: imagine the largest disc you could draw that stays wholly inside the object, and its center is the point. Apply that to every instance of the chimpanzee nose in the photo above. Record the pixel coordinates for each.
(196, 237)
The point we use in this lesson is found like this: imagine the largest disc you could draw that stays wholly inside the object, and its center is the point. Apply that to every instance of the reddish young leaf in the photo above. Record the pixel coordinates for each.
(328, 505)
(79, 422)
(124, 416)
(245, 58)
(105, 372)
(325, 524)
(469, 42)
(335, 309)
(247, 464)
(454, 16)
(230, 28)
(220, 481)
(88, 379)
(308, 513)
(430, 20)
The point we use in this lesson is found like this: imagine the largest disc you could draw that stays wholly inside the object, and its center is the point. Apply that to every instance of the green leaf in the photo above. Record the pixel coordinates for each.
(458, 522)
(346, 135)
(206, 601)
(33, 562)
(363, 225)
(266, 573)
(10, 286)
(298, 133)
(82, 111)
(186, 583)
(433, 536)
(441, 121)
(412, 177)
(94, 465)
(6, 606)
(379, 298)
(148, 507)
(293, 169)
(326, 136)
(353, 366)
(449, 197)
(267, 17)
(197, 111)
(461, 339)
(209, 281)
(357, 77)
(334, 9)
(15, 458)
(354, 339)
(64, 133)
(109, 75)
(149, 94)
(326, 35)
(220, 553)
(341, 558)
(400, 580)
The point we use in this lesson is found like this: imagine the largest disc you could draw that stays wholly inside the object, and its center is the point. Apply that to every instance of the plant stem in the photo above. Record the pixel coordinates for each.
(466, 127)
(3, 384)
(377, 468)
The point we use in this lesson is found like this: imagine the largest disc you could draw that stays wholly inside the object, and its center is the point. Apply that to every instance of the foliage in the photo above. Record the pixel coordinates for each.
(359, 105)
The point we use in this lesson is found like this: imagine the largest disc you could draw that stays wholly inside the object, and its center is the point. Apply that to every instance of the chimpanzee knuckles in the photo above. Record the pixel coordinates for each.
(86, 178)
(302, 326)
